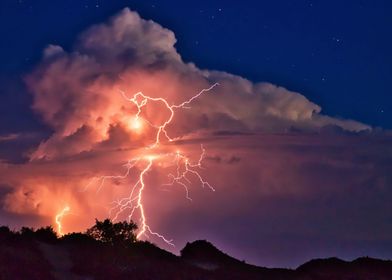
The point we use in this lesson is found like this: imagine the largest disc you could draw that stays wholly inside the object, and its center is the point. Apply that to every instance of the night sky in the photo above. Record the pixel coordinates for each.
(336, 53)
(301, 159)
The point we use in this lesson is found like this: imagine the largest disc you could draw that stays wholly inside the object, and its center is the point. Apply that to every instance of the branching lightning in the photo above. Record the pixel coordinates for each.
(185, 169)
(140, 100)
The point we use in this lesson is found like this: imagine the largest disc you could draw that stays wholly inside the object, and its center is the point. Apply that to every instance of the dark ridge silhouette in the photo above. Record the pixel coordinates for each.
(203, 254)
(334, 268)
(110, 251)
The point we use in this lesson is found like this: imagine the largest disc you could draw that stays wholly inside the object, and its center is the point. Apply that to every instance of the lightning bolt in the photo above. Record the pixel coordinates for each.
(58, 219)
(185, 168)
(140, 100)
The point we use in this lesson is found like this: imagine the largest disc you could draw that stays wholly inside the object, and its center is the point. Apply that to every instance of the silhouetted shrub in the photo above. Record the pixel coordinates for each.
(113, 233)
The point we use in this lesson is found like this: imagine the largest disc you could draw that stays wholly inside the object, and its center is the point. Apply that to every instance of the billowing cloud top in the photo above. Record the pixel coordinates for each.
(78, 93)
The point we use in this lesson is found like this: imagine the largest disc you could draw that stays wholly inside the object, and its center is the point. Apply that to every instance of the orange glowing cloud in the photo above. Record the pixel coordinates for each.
(78, 94)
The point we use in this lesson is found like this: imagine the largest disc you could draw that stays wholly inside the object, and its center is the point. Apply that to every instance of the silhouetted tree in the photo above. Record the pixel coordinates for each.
(114, 233)
(5, 233)
(78, 237)
(46, 234)
(4, 230)
(27, 232)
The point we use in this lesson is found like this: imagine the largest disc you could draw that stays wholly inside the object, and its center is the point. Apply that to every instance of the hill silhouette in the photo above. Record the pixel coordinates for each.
(110, 251)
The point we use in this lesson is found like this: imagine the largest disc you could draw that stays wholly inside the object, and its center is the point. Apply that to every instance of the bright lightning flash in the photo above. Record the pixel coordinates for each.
(185, 169)
(59, 217)
(136, 124)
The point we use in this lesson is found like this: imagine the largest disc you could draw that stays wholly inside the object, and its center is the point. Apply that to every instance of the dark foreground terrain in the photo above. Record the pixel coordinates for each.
(41, 255)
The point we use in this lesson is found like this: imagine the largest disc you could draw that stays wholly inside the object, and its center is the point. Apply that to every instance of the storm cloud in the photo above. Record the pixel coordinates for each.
(291, 183)
(77, 93)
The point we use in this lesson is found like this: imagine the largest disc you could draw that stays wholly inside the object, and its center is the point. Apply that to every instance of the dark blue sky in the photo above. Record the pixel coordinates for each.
(336, 53)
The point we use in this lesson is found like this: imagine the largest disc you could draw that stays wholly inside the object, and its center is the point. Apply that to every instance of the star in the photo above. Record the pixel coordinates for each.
(337, 40)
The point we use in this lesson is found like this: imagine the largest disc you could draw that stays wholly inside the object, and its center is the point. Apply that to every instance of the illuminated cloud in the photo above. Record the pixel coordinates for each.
(77, 93)
(9, 137)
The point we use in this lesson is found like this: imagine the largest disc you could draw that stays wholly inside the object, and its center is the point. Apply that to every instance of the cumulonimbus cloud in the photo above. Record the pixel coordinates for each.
(77, 93)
